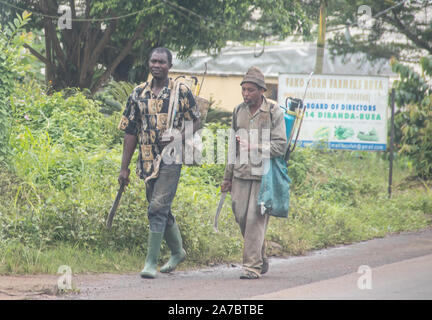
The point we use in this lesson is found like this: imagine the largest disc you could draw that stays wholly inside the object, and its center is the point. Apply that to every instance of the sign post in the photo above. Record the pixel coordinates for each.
(391, 143)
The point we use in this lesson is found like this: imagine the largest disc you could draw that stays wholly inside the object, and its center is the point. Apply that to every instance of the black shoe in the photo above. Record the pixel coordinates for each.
(265, 266)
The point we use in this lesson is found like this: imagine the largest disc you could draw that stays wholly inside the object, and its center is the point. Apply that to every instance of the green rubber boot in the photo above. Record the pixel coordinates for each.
(153, 250)
(174, 242)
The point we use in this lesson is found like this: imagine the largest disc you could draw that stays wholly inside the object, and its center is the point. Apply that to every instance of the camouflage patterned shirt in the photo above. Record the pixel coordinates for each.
(145, 116)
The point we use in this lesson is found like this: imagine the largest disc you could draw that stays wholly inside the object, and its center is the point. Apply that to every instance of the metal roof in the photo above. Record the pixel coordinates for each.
(294, 58)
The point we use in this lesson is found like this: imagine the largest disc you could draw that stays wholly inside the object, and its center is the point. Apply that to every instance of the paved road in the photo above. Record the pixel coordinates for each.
(407, 279)
(394, 267)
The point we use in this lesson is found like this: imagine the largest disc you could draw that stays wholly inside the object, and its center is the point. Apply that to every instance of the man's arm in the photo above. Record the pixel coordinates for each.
(129, 145)
(278, 138)
(229, 168)
(129, 123)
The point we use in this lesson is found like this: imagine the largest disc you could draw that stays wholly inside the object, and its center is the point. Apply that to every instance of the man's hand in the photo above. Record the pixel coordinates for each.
(226, 186)
(245, 145)
(124, 176)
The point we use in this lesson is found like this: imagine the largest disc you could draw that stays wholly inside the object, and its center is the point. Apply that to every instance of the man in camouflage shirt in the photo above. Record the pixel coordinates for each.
(145, 122)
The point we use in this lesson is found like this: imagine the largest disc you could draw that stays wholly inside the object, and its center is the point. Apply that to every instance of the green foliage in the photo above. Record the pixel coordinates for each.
(39, 258)
(57, 138)
(114, 96)
(405, 22)
(121, 46)
(413, 121)
(216, 114)
(11, 69)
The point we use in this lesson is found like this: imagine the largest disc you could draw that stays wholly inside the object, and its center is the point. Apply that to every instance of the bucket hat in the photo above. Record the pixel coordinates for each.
(255, 75)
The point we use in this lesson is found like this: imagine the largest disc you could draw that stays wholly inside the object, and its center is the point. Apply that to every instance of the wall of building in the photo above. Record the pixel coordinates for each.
(225, 90)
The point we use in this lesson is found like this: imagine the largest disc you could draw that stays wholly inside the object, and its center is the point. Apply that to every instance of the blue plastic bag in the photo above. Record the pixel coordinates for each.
(274, 194)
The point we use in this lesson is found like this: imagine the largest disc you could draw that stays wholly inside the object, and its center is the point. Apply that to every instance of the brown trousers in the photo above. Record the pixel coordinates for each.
(253, 225)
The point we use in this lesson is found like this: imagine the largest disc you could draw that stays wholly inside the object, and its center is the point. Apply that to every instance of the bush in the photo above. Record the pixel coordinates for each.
(57, 139)
(12, 53)
(413, 121)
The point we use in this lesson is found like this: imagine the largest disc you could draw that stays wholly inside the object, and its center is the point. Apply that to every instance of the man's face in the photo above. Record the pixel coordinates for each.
(159, 65)
(251, 93)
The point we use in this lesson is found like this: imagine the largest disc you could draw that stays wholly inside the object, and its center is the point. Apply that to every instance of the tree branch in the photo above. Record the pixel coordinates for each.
(51, 34)
(119, 58)
(83, 64)
(37, 54)
(87, 10)
(102, 43)
(413, 37)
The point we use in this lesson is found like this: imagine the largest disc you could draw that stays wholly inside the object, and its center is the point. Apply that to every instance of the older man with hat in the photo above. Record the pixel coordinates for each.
(259, 128)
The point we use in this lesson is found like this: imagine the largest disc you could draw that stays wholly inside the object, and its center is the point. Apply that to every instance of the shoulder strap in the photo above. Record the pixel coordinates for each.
(235, 112)
(173, 104)
(272, 105)
(143, 86)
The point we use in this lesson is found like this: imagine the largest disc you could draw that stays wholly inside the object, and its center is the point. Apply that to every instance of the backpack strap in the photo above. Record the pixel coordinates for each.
(272, 105)
(173, 104)
(236, 110)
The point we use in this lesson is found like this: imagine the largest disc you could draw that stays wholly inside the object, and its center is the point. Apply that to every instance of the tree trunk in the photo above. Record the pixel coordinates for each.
(127, 48)
(71, 61)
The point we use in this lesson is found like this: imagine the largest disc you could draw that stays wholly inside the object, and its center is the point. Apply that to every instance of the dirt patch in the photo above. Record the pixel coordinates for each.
(28, 287)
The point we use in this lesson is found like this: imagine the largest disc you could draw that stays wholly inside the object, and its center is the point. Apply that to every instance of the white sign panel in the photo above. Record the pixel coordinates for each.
(345, 112)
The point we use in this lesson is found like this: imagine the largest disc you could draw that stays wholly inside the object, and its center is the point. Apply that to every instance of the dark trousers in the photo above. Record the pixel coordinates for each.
(160, 193)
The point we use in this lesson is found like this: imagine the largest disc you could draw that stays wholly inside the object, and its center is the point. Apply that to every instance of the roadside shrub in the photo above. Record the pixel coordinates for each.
(413, 121)
(12, 54)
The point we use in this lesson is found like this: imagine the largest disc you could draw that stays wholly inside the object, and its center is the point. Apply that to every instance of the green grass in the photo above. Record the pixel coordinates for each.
(17, 258)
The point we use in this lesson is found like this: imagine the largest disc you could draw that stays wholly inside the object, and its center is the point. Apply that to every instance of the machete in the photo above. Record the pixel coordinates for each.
(115, 205)
(221, 202)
